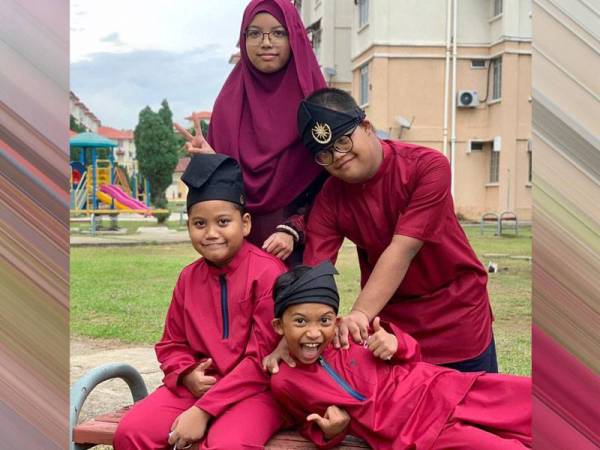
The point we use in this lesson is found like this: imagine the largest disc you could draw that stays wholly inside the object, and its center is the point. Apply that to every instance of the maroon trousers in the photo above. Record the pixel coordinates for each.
(248, 424)
(494, 415)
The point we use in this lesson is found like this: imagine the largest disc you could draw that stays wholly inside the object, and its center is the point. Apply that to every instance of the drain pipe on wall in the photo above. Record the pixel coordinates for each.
(453, 138)
(446, 79)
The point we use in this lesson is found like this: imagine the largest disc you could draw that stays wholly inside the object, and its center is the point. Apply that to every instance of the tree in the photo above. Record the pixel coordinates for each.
(76, 126)
(156, 152)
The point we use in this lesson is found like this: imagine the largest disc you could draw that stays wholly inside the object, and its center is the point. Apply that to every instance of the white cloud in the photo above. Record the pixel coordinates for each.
(114, 38)
(129, 54)
(154, 24)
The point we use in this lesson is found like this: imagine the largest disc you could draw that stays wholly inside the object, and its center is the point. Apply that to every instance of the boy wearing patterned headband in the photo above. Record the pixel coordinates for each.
(216, 332)
(381, 391)
(393, 200)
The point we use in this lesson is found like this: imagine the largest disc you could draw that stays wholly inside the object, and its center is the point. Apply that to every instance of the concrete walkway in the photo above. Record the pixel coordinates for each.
(150, 235)
(87, 354)
(157, 237)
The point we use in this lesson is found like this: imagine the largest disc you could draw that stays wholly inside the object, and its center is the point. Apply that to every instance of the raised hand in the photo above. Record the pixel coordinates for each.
(333, 422)
(196, 381)
(195, 144)
(383, 344)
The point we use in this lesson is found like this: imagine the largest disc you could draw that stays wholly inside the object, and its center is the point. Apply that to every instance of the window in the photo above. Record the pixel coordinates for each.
(363, 13)
(497, 7)
(529, 161)
(478, 64)
(316, 42)
(496, 78)
(475, 146)
(364, 84)
(494, 166)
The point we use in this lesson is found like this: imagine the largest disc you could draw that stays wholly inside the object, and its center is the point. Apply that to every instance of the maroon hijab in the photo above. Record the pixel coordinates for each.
(254, 117)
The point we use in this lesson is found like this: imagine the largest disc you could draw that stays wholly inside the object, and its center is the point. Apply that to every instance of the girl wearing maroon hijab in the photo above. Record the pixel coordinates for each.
(254, 121)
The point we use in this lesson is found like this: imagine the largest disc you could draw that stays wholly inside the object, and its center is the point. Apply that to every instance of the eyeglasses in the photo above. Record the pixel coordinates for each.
(256, 37)
(343, 144)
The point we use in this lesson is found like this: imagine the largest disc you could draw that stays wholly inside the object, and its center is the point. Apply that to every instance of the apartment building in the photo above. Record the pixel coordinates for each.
(82, 113)
(403, 56)
(329, 27)
(124, 153)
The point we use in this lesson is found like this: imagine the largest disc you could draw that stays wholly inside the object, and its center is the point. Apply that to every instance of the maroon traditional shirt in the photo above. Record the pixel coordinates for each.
(224, 314)
(442, 301)
(400, 404)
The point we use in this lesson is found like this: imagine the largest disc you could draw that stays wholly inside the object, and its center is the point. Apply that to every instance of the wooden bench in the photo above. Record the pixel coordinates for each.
(101, 429)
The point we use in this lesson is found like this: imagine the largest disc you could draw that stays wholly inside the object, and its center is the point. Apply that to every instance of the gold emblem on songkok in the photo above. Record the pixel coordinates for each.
(321, 133)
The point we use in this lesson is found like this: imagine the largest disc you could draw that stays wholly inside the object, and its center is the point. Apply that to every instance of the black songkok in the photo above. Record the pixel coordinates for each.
(213, 177)
(319, 127)
(315, 286)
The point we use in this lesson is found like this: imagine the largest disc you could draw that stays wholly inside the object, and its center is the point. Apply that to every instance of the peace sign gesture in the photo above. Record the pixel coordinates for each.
(195, 144)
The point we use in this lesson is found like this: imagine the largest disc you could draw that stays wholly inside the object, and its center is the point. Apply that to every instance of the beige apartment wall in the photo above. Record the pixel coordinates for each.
(409, 82)
(336, 25)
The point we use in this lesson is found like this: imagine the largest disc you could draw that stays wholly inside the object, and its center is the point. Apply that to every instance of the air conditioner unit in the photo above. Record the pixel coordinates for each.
(468, 99)
(497, 144)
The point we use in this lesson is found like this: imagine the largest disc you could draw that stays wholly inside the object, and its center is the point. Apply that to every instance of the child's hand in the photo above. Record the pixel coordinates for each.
(279, 244)
(198, 383)
(188, 427)
(334, 421)
(383, 344)
(196, 144)
(270, 362)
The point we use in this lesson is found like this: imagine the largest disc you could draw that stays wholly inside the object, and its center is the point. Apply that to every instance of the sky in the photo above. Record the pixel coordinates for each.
(129, 54)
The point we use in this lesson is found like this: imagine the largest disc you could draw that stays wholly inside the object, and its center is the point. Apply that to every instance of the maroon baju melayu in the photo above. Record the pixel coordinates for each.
(407, 404)
(224, 314)
(442, 301)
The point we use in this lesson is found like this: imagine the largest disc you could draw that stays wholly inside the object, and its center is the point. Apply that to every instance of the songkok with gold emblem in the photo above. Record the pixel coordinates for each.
(319, 127)
(213, 177)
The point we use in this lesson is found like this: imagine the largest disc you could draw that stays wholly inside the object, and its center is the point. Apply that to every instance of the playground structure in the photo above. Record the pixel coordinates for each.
(98, 187)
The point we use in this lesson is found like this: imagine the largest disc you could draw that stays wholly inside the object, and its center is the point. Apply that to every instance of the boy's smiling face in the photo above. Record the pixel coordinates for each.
(308, 328)
(362, 161)
(217, 230)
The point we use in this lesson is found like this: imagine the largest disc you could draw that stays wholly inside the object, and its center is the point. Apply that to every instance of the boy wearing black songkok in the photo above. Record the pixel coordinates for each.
(381, 391)
(217, 329)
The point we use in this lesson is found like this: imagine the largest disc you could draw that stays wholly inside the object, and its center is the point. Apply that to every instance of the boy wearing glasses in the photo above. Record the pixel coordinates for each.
(392, 199)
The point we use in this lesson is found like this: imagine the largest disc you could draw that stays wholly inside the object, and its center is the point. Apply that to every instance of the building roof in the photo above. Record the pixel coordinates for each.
(113, 133)
(91, 140)
(182, 164)
(204, 115)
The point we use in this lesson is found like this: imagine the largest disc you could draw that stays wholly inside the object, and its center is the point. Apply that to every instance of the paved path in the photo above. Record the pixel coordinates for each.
(110, 395)
(150, 238)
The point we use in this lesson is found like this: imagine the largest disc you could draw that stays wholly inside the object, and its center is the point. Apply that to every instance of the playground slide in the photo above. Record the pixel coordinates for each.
(126, 202)
(107, 199)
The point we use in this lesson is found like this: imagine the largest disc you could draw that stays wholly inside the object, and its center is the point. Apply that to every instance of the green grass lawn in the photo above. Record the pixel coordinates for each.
(123, 292)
